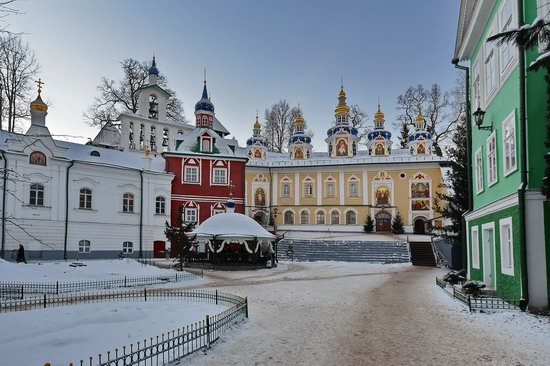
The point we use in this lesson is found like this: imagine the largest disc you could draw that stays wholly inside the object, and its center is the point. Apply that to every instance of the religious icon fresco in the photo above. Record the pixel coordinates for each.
(382, 196)
(420, 190)
(420, 205)
(259, 197)
(342, 148)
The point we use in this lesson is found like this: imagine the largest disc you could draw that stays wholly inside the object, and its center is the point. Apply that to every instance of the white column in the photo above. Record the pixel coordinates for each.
(365, 187)
(319, 189)
(296, 189)
(342, 188)
(275, 185)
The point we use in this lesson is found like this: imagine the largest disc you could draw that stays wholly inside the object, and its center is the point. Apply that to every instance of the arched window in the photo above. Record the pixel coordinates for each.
(128, 202)
(160, 205)
(289, 218)
(205, 145)
(335, 217)
(36, 197)
(85, 199)
(153, 107)
(37, 158)
(351, 218)
(127, 247)
(308, 189)
(353, 187)
(304, 217)
(95, 153)
(320, 218)
(84, 246)
(331, 187)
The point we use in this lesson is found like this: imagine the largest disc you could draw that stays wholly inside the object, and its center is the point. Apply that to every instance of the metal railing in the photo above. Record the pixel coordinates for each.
(21, 289)
(167, 347)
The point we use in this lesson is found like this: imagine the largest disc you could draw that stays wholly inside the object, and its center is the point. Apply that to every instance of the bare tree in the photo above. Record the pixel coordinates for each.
(6, 8)
(18, 68)
(122, 96)
(439, 108)
(358, 119)
(279, 125)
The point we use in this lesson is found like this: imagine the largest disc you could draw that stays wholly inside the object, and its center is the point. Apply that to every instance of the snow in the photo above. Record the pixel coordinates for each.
(69, 334)
(231, 224)
(62, 271)
(540, 58)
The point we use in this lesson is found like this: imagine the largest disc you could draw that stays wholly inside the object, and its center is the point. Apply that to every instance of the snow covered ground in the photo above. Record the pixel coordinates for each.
(62, 271)
(71, 333)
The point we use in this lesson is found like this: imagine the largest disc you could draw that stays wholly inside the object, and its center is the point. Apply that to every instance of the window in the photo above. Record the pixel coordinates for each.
(84, 246)
(220, 176)
(128, 202)
(475, 247)
(127, 247)
(509, 144)
(286, 189)
(190, 215)
(335, 217)
(289, 218)
(506, 246)
(218, 211)
(191, 174)
(308, 189)
(351, 218)
(331, 189)
(490, 67)
(205, 145)
(37, 158)
(85, 199)
(36, 195)
(304, 217)
(320, 218)
(543, 11)
(479, 171)
(353, 191)
(506, 23)
(476, 85)
(492, 159)
(160, 205)
(95, 153)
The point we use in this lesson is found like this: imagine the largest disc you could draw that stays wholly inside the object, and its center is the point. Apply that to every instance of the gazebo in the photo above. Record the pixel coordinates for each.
(234, 240)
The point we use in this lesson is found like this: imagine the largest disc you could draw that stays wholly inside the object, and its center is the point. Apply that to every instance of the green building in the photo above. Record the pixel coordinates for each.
(509, 223)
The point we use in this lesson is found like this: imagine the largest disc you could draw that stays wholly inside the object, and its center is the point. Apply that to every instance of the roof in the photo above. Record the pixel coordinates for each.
(217, 126)
(107, 157)
(473, 17)
(232, 225)
(222, 146)
(109, 135)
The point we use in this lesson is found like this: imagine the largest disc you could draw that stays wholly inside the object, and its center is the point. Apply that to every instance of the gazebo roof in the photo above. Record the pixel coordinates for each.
(231, 225)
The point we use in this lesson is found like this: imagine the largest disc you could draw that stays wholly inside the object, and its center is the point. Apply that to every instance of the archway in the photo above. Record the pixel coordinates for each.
(383, 222)
(420, 226)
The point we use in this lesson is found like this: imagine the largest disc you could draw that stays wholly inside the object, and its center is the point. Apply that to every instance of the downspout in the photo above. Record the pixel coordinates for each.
(4, 181)
(141, 215)
(468, 161)
(66, 210)
(523, 167)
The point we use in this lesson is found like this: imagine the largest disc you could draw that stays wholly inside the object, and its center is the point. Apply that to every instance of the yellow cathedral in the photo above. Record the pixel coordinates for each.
(308, 190)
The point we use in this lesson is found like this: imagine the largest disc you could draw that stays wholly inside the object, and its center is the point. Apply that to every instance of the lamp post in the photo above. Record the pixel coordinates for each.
(479, 114)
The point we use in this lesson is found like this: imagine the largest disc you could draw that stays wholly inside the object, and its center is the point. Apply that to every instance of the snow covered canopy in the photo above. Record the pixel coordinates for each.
(231, 225)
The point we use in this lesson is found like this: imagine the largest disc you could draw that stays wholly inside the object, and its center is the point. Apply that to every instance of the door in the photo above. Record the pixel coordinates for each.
(488, 238)
(159, 247)
(419, 226)
(383, 222)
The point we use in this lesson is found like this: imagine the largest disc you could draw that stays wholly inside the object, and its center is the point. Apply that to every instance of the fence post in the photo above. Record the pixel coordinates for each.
(44, 301)
(145, 293)
(469, 303)
(207, 331)
(124, 281)
(22, 292)
(216, 297)
(57, 287)
(246, 306)
(176, 276)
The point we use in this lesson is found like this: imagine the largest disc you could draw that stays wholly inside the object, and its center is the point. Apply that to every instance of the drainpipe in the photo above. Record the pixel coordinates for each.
(66, 210)
(141, 215)
(4, 180)
(523, 167)
(468, 160)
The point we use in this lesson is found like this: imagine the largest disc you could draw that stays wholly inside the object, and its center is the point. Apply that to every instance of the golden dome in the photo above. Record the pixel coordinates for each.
(299, 120)
(378, 116)
(419, 118)
(257, 125)
(342, 107)
(39, 105)
(342, 92)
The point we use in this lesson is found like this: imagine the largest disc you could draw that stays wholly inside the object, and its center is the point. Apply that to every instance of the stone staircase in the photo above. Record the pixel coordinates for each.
(346, 251)
(422, 254)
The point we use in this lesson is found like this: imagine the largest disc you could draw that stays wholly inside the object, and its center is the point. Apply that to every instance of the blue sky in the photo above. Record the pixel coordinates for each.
(256, 52)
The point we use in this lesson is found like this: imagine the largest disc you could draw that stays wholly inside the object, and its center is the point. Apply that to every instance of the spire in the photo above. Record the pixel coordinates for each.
(257, 125)
(153, 69)
(379, 116)
(342, 108)
(204, 90)
(38, 104)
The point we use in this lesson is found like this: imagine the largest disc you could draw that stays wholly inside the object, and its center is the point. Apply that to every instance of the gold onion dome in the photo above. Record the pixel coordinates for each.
(379, 115)
(419, 118)
(299, 120)
(257, 125)
(38, 104)
(342, 107)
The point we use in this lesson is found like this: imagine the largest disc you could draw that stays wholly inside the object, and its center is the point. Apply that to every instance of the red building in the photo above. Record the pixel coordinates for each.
(208, 168)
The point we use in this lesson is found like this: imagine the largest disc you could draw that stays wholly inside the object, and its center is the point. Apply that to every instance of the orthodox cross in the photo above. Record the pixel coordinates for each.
(39, 82)
(231, 186)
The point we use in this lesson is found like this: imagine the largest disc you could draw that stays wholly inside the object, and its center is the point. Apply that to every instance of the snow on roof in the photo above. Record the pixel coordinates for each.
(231, 225)
(189, 143)
(217, 126)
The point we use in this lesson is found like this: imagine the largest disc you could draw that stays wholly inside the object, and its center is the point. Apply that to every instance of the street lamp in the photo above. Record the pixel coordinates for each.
(478, 119)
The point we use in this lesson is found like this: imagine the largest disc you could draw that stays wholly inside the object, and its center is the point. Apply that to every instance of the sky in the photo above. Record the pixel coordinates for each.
(255, 53)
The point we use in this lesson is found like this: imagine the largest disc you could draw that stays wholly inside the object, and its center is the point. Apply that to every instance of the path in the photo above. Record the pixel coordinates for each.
(350, 315)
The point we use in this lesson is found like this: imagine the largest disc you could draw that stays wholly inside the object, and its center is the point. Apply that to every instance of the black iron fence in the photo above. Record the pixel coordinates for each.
(479, 302)
(161, 349)
(21, 289)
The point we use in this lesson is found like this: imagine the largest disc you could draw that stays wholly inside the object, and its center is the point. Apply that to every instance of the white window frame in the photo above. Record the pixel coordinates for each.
(160, 205)
(128, 202)
(188, 173)
(189, 213)
(492, 160)
(308, 189)
(37, 192)
(490, 58)
(354, 217)
(286, 189)
(217, 211)
(331, 192)
(353, 183)
(84, 246)
(332, 217)
(506, 246)
(509, 146)
(506, 22)
(317, 217)
(306, 212)
(475, 246)
(127, 247)
(88, 198)
(476, 84)
(216, 178)
(543, 11)
(479, 169)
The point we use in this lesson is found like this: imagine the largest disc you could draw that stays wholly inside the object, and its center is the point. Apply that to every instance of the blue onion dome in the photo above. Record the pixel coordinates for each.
(204, 104)
(379, 134)
(420, 135)
(153, 69)
(303, 138)
(230, 203)
(342, 129)
(256, 140)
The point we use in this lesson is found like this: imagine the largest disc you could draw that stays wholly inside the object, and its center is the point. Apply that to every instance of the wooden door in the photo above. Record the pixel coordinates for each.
(159, 247)
(383, 222)
(419, 226)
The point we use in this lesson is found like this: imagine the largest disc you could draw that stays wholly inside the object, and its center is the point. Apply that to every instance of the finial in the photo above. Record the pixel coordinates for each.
(39, 83)
(378, 104)
(154, 61)
(205, 76)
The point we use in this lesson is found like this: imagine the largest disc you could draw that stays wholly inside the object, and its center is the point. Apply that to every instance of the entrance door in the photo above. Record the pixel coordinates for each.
(488, 238)
(383, 222)
(419, 226)
(159, 247)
